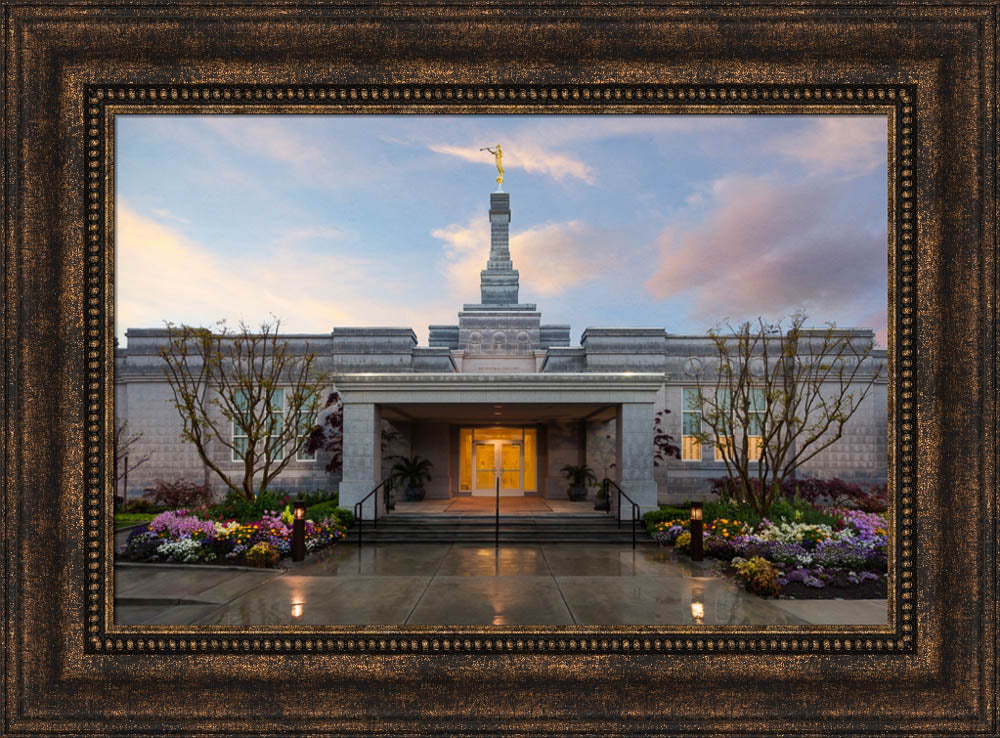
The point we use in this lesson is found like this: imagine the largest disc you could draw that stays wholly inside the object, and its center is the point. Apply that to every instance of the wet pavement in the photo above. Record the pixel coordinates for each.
(465, 584)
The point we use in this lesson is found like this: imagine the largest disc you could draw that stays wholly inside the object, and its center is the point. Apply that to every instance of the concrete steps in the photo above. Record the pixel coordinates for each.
(524, 529)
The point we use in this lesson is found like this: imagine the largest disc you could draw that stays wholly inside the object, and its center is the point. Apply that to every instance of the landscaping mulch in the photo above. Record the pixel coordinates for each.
(868, 590)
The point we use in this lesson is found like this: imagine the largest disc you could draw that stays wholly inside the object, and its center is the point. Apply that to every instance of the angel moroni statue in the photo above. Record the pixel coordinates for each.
(498, 154)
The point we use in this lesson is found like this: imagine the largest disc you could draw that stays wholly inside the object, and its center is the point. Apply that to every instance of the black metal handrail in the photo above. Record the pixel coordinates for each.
(359, 507)
(497, 529)
(621, 493)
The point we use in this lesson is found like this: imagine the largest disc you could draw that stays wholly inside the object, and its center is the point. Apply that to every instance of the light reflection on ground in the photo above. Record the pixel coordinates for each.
(455, 584)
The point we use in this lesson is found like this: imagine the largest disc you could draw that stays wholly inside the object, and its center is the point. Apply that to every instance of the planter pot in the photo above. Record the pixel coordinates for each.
(577, 493)
(602, 503)
(414, 494)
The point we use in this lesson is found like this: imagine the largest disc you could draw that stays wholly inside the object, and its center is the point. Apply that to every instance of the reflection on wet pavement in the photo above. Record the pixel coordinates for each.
(429, 584)
(295, 600)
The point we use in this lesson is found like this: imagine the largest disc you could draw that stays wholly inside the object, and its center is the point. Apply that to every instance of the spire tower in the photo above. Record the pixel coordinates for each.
(499, 282)
(499, 328)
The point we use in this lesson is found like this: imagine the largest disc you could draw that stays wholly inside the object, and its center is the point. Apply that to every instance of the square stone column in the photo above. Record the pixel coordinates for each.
(362, 459)
(634, 441)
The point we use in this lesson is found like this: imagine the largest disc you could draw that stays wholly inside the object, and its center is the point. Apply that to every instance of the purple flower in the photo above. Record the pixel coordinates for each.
(177, 524)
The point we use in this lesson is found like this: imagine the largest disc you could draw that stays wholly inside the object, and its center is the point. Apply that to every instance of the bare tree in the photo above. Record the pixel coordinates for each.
(245, 391)
(127, 459)
(790, 392)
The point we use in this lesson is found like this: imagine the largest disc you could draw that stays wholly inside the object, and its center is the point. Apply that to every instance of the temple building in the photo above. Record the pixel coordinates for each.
(498, 395)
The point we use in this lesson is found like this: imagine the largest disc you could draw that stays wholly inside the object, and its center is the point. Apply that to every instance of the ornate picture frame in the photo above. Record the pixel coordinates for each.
(69, 69)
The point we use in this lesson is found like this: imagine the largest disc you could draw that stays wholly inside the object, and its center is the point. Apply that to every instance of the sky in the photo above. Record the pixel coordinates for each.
(677, 222)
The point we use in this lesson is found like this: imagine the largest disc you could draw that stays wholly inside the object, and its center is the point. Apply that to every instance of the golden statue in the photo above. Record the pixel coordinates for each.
(499, 157)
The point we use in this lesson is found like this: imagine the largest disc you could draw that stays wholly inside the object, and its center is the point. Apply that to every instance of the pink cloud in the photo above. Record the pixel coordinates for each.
(770, 248)
(164, 274)
(551, 258)
(846, 143)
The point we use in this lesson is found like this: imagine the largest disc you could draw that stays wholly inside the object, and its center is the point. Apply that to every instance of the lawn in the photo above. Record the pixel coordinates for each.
(126, 520)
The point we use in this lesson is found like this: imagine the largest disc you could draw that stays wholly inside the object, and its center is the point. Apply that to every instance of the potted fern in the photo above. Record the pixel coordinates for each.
(411, 473)
(579, 478)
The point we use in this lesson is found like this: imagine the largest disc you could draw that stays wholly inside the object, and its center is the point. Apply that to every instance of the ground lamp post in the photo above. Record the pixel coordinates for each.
(697, 549)
(299, 532)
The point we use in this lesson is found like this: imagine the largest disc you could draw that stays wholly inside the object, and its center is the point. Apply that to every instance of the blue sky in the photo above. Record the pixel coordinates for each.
(671, 221)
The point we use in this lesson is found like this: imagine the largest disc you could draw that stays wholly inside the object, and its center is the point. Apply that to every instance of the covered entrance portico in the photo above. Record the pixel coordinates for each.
(519, 429)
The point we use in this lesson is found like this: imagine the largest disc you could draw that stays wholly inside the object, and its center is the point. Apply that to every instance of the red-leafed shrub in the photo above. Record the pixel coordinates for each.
(820, 492)
(179, 493)
(143, 505)
(875, 500)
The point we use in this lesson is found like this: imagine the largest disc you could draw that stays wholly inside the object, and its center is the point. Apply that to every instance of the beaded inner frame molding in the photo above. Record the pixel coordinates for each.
(70, 66)
(896, 103)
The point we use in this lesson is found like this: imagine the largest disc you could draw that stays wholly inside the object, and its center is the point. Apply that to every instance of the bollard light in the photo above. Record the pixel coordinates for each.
(697, 546)
(299, 532)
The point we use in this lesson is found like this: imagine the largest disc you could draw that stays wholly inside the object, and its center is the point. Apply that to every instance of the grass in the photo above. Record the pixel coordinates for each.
(125, 520)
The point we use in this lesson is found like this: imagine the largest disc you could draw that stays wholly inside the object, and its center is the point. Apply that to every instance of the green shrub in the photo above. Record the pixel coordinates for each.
(666, 513)
(235, 506)
(315, 497)
(676, 512)
(730, 511)
(329, 509)
(345, 516)
(805, 512)
(795, 511)
(656, 516)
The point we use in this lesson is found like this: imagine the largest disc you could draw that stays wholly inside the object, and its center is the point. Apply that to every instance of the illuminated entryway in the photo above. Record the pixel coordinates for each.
(504, 453)
(441, 416)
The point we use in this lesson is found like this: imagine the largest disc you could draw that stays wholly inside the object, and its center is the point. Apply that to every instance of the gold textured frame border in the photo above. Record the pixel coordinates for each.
(104, 103)
(62, 676)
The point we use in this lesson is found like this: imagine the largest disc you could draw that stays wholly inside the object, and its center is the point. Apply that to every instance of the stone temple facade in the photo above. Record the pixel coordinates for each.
(497, 396)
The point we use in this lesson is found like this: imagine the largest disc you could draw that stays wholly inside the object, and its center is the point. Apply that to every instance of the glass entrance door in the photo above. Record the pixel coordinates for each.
(503, 459)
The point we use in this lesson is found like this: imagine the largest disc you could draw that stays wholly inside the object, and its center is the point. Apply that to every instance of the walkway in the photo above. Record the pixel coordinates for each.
(455, 584)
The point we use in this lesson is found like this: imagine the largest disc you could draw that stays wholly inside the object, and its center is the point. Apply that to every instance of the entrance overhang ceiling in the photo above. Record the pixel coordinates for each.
(542, 388)
(499, 413)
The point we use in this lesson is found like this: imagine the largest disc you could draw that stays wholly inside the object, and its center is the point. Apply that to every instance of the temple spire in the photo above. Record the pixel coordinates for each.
(499, 282)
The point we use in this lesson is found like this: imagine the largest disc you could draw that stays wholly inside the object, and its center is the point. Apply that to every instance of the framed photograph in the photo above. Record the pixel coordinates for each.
(364, 364)
(522, 472)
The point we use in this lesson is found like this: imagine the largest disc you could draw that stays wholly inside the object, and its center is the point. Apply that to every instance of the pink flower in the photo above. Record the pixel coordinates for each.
(175, 524)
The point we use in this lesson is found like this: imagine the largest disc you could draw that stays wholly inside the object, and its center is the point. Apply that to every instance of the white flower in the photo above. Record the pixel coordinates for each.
(187, 550)
(793, 532)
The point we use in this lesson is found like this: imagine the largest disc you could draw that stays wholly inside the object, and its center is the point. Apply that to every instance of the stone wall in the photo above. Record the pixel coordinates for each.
(143, 396)
(432, 440)
(563, 447)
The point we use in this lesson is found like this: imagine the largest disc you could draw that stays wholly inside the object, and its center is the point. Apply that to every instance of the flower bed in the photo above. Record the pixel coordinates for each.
(848, 560)
(178, 536)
